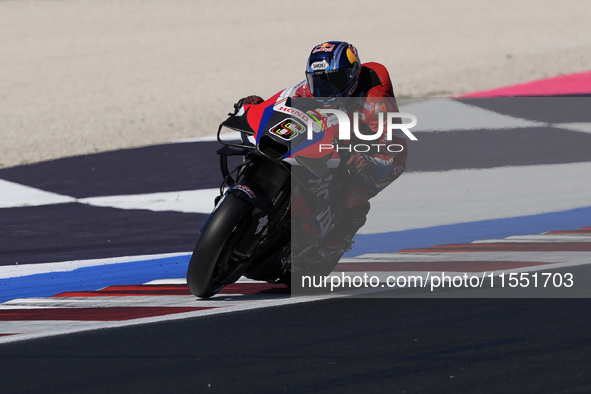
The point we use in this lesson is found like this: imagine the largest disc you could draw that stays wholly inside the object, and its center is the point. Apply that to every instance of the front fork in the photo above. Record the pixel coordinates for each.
(266, 185)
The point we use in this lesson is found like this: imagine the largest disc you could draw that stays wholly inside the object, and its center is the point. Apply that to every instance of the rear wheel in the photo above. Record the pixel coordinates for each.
(212, 264)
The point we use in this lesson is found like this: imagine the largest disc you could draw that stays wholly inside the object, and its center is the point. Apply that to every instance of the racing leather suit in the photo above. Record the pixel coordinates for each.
(371, 171)
(375, 90)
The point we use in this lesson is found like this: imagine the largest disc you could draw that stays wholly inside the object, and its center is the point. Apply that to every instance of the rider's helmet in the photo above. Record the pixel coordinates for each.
(333, 69)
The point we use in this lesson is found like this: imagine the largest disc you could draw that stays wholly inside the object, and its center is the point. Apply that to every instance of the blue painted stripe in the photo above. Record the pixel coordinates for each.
(138, 272)
(472, 231)
(267, 113)
(337, 56)
(94, 278)
(302, 143)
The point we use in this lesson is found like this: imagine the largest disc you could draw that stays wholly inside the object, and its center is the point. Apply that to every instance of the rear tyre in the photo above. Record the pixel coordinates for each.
(212, 265)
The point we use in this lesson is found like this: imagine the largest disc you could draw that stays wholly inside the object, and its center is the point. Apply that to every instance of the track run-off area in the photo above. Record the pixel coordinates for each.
(510, 175)
(498, 187)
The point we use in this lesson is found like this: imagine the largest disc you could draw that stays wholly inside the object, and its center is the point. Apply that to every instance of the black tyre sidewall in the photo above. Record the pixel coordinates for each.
(218, 230)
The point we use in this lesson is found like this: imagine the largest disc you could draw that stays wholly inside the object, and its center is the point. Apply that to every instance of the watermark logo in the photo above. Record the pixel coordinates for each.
(345, 125)
(388, 120)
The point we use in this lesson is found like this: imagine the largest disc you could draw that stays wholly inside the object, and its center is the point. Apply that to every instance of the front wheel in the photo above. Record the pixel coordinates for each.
(212, 265)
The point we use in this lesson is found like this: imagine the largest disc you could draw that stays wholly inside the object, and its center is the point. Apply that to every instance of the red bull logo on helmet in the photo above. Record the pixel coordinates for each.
(326, 47)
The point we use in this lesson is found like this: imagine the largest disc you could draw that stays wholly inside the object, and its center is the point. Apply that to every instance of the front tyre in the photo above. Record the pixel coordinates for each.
(212, 265)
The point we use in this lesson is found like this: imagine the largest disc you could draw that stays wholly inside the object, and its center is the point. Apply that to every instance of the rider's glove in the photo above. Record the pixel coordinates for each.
(247, 101)
(362, 164)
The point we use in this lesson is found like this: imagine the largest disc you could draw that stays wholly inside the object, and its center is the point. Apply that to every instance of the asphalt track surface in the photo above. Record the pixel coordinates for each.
(336, 345)
(393, 345)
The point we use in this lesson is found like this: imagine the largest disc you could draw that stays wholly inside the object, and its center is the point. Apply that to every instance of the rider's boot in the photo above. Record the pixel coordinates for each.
(341, 237)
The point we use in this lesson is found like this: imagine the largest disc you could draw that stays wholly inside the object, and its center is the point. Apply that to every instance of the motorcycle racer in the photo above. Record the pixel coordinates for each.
(334, 71)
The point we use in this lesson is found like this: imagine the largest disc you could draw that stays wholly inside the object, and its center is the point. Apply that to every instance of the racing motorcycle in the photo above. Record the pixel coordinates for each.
(279, 203)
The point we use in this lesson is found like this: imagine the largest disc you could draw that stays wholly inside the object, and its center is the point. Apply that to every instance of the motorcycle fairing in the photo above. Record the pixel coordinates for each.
(279, 135)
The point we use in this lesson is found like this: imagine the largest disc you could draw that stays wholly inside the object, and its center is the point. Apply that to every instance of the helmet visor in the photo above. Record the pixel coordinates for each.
(329, 83)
